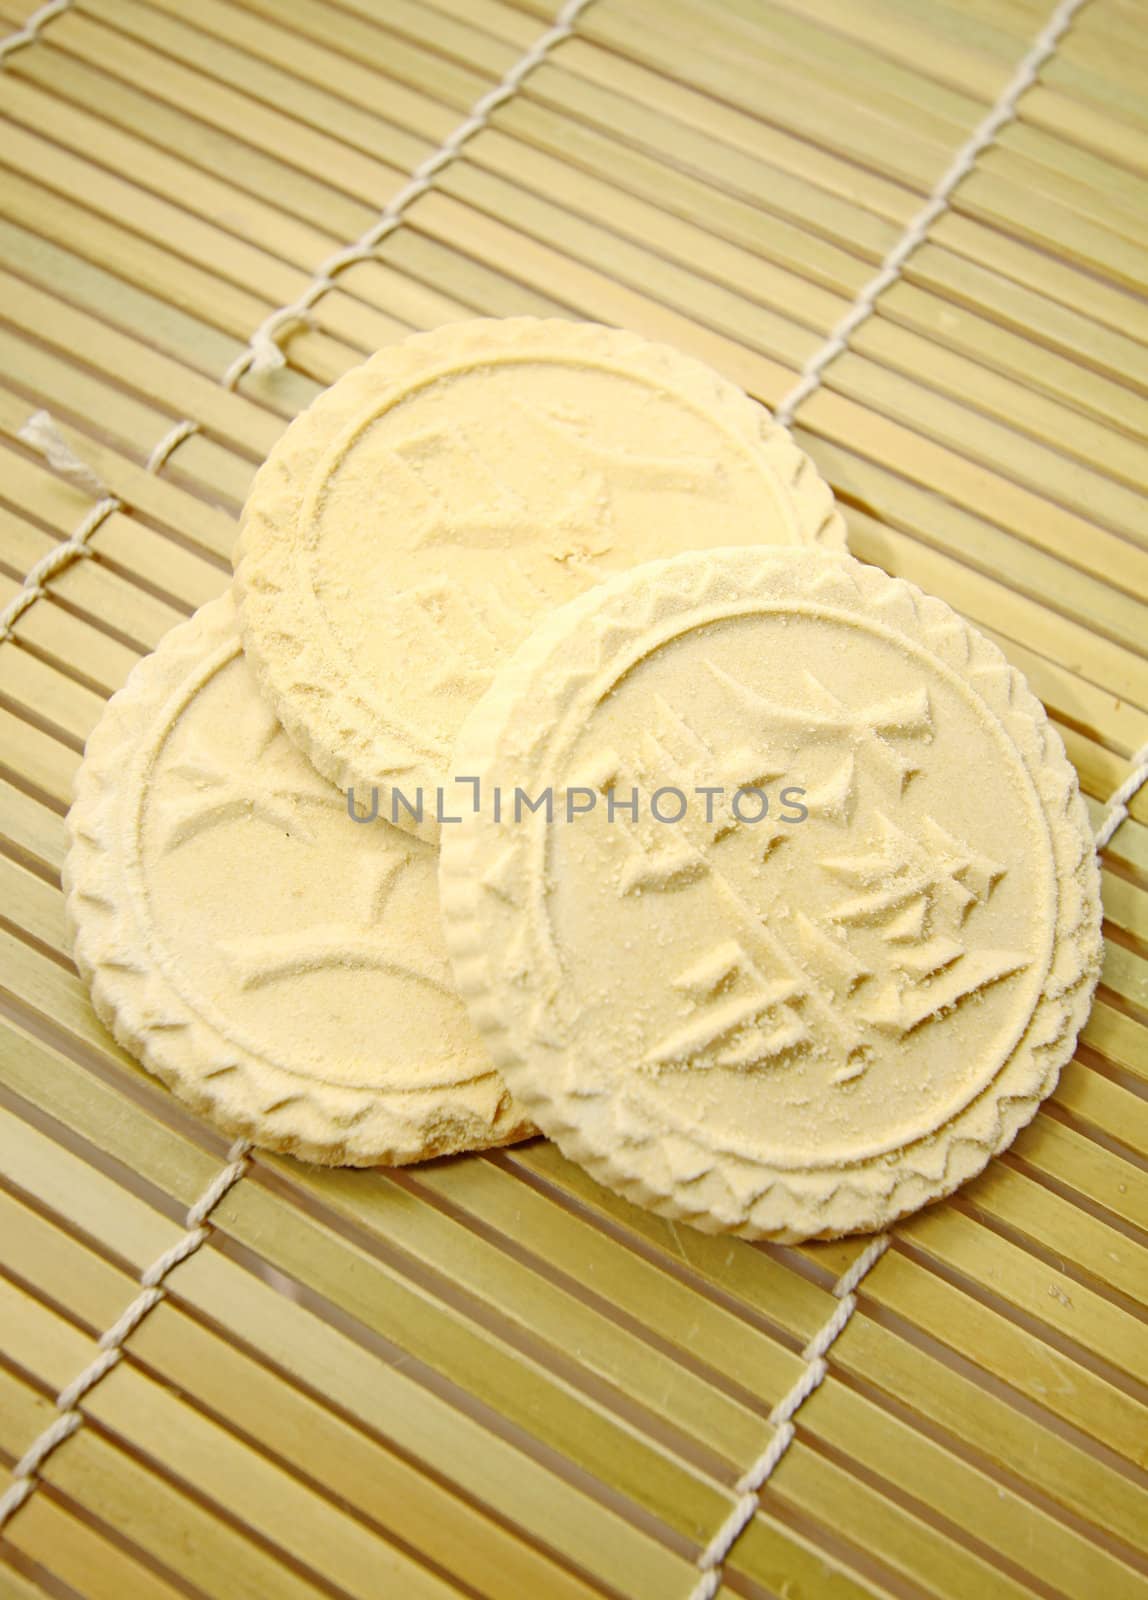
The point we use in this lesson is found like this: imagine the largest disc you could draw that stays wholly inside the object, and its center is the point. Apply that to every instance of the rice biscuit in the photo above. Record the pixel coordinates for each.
(279, 965)
(839, 980)
(410, 527)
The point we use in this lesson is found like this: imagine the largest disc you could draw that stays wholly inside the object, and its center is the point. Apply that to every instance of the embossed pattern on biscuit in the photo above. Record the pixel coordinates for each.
(415, 522)
(786, 1028)
(279, 965)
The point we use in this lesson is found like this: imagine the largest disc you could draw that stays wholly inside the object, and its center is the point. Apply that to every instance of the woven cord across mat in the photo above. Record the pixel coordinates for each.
(918, 230)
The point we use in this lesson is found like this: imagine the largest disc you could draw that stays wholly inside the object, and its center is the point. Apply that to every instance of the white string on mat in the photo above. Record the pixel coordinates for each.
(25, 1473)
(1117, 807)
(30, 32)
(750, 1484)
(962, 164)
(263, 353)
(170, 441)
(41, 432)
(61, 555)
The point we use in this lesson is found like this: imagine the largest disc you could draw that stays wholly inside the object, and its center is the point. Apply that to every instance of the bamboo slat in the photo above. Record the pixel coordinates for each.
(1116, 1036)
(31, 830)
(487, 1376)
(1094, 1099)
(38, 690)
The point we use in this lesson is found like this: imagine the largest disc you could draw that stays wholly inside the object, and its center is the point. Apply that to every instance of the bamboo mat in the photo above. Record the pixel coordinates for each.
(487, 1377)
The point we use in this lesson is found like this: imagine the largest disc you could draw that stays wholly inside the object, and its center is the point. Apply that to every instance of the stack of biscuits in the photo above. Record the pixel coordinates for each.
(552, 766)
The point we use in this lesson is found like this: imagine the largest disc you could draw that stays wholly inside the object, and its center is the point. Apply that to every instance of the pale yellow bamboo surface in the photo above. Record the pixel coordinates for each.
(487, 1377)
